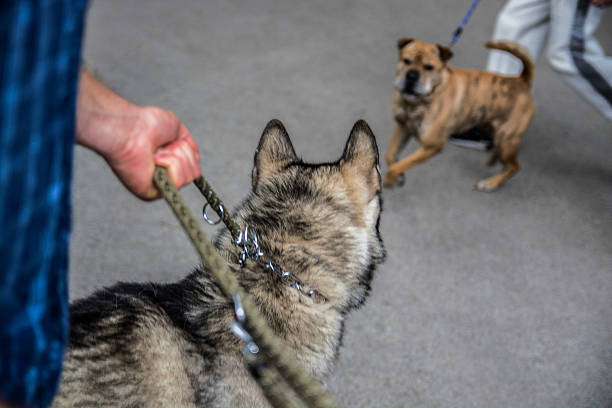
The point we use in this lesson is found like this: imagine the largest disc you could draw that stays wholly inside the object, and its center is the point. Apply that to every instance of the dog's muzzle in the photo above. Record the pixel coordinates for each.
(406, 83)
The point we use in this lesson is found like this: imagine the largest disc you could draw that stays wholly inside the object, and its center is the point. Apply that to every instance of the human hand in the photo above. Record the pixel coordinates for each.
(156, 137)
(133, 139)
(601, 3)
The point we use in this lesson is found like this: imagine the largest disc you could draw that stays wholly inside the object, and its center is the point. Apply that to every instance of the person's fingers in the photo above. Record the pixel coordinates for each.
(173, 164)
(181, 160)
(194, 147)
(193, 151)
(174, 147)
(189, 162)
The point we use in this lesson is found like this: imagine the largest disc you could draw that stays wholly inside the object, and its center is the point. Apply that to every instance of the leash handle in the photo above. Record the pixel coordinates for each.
(464, 22)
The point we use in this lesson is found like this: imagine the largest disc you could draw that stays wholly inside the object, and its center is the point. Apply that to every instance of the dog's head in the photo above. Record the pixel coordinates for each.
(319, 221)
(420, 67)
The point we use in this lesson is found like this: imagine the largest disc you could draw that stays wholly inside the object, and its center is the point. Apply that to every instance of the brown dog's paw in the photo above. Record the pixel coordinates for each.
(485, 186)
(390, 179)
(401, 179)
(397, 181)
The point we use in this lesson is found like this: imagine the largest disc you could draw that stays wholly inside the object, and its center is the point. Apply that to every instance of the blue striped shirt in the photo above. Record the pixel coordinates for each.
(40, 45)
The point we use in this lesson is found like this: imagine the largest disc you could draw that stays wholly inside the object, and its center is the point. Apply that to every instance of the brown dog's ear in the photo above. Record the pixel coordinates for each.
(402, 42)
(359, 161)
(274, 152)
(445, 53)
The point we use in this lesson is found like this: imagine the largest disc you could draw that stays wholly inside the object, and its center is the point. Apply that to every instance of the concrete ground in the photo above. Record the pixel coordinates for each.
(486, 300)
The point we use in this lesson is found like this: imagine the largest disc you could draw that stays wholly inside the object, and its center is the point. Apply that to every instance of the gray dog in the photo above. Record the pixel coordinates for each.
(168, 345)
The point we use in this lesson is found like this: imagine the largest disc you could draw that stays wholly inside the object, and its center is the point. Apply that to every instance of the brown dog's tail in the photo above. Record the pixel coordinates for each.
(521, 53)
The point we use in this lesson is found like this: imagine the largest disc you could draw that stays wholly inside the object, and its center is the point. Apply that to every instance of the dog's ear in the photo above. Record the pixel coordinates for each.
(359, 162)
(445, 53)
(402, 42)
(274, 152)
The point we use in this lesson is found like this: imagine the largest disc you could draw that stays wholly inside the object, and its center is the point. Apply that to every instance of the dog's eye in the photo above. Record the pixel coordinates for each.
(407, 61)
(428, 67)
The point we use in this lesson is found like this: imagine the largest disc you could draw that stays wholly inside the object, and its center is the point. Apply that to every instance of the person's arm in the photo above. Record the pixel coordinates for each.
(133, 139)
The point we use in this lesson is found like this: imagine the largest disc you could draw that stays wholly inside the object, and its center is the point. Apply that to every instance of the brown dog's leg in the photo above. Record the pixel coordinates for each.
(507, 151)
(492, 158)
(419, 156)
(399, 141)
(492, 183)
(508, 139)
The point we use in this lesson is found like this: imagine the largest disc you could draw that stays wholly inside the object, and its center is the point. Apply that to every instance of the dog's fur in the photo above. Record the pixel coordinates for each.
(168, 345)
(435, 100)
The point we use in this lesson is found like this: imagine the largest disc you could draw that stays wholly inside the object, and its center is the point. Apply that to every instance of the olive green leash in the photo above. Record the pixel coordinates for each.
(271, 363)
(217, 205)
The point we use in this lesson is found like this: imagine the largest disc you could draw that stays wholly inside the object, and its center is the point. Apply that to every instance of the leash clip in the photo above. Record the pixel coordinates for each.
(250, 246)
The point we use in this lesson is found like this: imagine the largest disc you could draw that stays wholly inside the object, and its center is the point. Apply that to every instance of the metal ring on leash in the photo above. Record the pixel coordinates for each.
(208, 220)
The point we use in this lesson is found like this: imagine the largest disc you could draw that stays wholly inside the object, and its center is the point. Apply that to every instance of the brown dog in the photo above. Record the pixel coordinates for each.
(435, 100)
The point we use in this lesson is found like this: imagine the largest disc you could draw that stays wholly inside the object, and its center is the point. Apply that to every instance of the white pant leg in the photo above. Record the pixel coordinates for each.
(586, 67)
(522, 21)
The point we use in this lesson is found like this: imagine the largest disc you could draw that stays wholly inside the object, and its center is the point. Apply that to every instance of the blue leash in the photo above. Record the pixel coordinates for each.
(465, 20)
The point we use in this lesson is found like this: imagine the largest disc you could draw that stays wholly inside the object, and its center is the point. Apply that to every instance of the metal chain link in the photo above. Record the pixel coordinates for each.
(251, 250)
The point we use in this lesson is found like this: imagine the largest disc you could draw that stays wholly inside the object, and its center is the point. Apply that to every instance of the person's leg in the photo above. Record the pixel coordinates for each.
(576, 54)
(40, 44)
(522, 21)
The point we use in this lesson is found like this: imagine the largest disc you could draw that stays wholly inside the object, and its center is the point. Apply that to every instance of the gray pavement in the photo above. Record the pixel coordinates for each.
(486, 300)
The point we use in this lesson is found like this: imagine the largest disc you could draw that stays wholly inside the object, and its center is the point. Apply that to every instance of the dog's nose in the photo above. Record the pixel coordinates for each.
(412, 75)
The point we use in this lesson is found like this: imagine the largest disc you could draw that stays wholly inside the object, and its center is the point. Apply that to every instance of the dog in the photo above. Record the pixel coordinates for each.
(435, 100)
(169, 345)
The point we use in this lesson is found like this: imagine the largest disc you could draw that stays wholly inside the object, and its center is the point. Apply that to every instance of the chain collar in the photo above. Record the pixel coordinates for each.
(250, 250)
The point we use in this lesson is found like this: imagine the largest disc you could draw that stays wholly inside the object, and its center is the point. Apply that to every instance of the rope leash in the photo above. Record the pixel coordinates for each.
(273, 360)
(274, 388)
(217, 205)
(465, 20)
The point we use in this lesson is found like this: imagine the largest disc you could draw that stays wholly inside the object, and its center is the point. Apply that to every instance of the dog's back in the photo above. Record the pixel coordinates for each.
(487, 96)
(132, 345)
